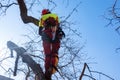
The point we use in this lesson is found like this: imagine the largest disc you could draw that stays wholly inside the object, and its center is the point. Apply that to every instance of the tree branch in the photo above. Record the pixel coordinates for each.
(82, 74)
(24, 16)
(113, 10)
(90, 76)
(27, 59)
(103, 74)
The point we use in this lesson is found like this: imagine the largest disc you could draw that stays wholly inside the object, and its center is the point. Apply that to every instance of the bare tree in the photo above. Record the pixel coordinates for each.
(71, 56)
(68, 50)
(113, 17)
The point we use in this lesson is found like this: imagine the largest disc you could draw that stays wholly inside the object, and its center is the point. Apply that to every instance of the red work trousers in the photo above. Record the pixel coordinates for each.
(50, 51)
(50, 56)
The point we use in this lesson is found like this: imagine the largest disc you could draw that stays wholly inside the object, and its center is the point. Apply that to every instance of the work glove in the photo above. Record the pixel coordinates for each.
(61, 34)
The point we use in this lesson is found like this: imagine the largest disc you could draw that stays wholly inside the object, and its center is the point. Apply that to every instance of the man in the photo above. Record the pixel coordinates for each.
(51, 35)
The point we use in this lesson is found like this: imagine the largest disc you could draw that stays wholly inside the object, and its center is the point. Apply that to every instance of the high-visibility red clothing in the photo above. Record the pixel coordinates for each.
(51, 43)
(51, 53)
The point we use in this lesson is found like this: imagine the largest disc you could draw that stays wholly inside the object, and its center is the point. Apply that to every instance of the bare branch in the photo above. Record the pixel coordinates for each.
(4, 8)
(103, 74)
(113, 10)
(28, 74)
(83, 71)
(7, 6)
(75, 9)
(114, 16)
(5, 58)
(117, 50)
(24, 14)
(90, 76)
(27, 59)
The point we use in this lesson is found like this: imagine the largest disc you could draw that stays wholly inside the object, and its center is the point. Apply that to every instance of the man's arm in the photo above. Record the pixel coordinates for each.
(24, 16)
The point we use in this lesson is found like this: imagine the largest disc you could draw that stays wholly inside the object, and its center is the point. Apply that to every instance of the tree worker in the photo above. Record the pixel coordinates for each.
(51, 34)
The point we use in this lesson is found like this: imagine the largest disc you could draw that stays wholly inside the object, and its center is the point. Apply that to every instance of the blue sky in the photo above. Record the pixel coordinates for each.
(101, 41)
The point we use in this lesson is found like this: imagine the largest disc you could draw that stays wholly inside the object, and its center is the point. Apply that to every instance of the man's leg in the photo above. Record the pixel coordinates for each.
(47, 52)
(54, 60)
